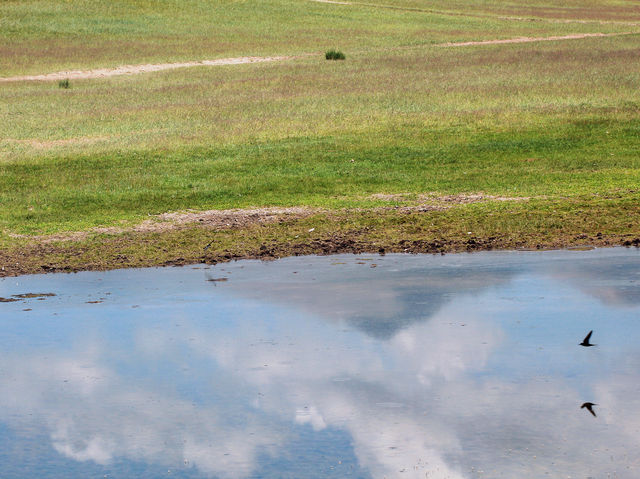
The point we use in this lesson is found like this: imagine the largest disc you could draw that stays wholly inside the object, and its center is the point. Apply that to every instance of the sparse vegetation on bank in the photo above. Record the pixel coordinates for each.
(534, 224)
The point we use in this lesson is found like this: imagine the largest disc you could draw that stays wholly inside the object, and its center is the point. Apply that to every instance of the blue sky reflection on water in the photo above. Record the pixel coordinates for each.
(459, 366)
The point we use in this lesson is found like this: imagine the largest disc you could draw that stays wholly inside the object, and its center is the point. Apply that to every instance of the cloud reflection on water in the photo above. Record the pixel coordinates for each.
(413, 393)
(93, 414)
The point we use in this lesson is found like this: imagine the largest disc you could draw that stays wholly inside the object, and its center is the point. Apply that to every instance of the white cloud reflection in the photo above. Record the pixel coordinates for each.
(419, 403)
(94, 414)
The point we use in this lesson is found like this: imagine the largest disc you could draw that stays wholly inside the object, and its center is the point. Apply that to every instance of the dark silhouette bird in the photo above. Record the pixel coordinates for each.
(589, 406)
(585, 342)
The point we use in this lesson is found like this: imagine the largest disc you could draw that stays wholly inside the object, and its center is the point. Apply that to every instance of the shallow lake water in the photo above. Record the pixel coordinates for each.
(456, 366)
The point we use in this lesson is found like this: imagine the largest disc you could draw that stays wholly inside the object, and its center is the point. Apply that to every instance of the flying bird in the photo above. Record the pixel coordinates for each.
(585, 342)
(589, 406)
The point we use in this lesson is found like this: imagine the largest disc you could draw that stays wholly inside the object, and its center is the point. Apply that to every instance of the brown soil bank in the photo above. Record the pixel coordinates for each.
(469, 225)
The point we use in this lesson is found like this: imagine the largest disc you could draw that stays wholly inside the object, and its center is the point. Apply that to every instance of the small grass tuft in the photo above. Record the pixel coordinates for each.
(64, 83)
(334, 55)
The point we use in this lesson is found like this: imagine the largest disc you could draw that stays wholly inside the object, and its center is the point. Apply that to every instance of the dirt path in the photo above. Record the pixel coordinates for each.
(574, 36)
(136, 69)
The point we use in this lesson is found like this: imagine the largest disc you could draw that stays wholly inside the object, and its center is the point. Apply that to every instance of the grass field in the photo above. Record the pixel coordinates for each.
(552, 123)
(48, 35)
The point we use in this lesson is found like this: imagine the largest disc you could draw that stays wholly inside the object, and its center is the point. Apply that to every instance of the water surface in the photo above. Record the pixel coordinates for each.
(457, 366)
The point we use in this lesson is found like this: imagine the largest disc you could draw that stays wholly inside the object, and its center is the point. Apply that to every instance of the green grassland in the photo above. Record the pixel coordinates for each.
(553, 122)
(51, 35)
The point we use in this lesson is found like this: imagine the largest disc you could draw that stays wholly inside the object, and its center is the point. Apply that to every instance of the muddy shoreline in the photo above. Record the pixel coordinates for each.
(461, 223)
(61, 258)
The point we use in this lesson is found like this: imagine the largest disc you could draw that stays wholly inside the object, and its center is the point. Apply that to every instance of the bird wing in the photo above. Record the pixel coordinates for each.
(589, 406)
(586, 339)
